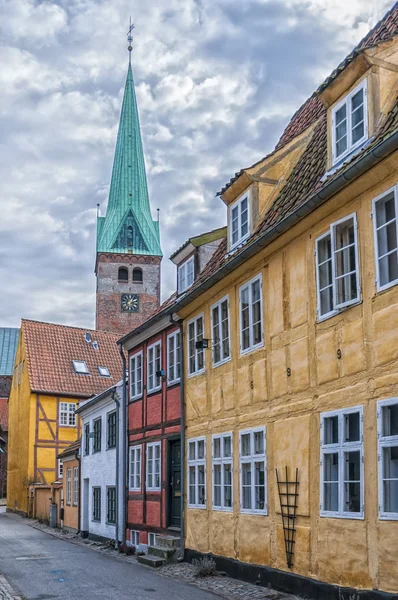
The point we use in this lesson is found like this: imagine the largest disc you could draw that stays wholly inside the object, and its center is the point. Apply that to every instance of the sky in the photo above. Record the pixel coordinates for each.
(216, 82)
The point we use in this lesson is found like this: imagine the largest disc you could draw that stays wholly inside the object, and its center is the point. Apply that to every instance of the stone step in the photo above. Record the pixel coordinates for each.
(151, 561)
(167, 541)
(161, 552)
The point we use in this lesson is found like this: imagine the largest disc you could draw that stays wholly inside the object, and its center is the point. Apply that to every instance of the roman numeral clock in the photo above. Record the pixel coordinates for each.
(130, 302)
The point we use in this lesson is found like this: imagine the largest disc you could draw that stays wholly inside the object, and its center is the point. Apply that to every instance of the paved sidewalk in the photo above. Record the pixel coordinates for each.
(6, 591)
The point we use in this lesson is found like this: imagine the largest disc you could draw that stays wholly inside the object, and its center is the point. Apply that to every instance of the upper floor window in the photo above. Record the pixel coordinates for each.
(337, 267)
(135, 468)
(67, 417)
(97, 435)
(350, 122)
(104, 371)
(154, 366)
(220, 330)
(253, 471)
(251, 315)
(153, 467)
(387, 422)
(68, 486)
(385, 211)
(111, 434)
(123, 274)
(185, 275)
(173, 357)
(196, 355)
(239, 225)
(136, 376)
(87, 439)
(137, 275)
(342, 463)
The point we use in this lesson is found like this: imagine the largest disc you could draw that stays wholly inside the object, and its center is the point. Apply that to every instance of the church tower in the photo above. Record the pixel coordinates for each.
(128, 242)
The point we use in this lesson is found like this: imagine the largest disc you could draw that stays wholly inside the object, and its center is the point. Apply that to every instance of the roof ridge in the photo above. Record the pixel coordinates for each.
(69, 326)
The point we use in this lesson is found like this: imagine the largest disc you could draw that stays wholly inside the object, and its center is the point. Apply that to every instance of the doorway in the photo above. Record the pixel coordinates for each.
(174, 512)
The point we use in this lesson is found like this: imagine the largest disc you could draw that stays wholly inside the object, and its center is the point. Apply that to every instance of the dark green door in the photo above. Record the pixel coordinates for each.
(175, 483)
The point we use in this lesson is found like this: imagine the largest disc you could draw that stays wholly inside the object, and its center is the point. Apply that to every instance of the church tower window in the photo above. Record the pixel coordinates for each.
(123, 274)
(137, 275)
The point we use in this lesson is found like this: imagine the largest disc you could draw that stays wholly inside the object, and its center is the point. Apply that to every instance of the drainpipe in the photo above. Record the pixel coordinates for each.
(124, 444)
(116, 400)
(79, 500)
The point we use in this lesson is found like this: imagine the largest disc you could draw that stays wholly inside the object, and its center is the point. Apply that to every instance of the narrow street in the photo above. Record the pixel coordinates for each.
(41, 567)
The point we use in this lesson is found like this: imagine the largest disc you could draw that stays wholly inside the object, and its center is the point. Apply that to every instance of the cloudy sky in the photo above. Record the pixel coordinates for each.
(216, 80)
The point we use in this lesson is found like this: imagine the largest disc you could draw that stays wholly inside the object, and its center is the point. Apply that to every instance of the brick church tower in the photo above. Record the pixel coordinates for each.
(128, 242)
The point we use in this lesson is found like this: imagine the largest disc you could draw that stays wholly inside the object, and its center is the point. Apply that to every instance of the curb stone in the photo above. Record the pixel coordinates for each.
(6, 591)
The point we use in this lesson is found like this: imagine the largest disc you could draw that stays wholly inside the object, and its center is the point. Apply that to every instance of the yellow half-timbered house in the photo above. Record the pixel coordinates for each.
(291, 348)
(55, 368)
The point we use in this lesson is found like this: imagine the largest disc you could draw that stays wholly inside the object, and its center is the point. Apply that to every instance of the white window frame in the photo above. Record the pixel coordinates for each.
(151, 539)
(80, 370)
(393, 190)
(252, 460)
(331, 232)
(60, 469)
(154, 383)
(134, 537)
(176, 355)
(248, 285)
(222, 461)
(384, 442)
(347, 100)
(340, 448)
(135, 479)
(75, 486)
(197, 462)
(136, 382)
(217, 306)
(68, 412)
(69, 486)
(151, 487)
(237, 204)
(182, 275)
(197, 371)
(104, 371)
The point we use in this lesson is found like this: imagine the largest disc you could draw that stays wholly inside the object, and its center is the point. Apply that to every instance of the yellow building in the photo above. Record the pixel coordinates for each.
(299, 368)
(55, 367)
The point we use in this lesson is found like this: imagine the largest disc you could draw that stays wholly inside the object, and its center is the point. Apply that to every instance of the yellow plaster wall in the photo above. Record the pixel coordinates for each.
(255, 389)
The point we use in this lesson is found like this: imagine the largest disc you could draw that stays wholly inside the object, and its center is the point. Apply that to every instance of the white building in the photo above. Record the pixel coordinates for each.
(102, 442)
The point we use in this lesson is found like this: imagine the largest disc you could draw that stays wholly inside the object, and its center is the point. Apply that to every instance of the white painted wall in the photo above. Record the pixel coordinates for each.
(99, 469)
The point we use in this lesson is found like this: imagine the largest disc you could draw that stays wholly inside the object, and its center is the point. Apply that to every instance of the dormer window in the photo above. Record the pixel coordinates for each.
(80, 367)
(185, 275)
(239, 221)
(350, 123)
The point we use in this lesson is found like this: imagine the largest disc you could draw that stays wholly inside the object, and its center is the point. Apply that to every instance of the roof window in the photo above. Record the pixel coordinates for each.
(185, 275)
(104, 371)
(80, 367)
(350, 122)
(239, 222)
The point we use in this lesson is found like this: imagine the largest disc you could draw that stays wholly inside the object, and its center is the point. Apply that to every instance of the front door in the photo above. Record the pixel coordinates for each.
(175, 484)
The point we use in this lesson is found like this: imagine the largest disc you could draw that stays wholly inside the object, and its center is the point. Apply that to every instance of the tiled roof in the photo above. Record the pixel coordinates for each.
(8, 348)
(72, 449)
(50, 350)
(312, 108)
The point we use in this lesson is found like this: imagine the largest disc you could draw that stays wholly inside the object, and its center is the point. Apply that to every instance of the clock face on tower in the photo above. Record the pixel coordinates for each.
(130, 302)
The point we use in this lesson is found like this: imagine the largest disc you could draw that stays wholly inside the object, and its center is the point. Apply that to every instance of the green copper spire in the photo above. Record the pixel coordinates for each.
(128, 226)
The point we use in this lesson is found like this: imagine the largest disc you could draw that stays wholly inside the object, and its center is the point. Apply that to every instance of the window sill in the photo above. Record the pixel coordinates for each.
(388, 517)
(96, 451)
(224, 510)
(135, 490)
(111, 448)
(252, 349)
(135, 398)
(96, 520)
(71, 426)
(338, 311)
(148, 489)
(387, 286)
(258, 513)
(196, 373)
(173, 383)
(222, 362)
(154, 391)
(331, 515)
(199, 507)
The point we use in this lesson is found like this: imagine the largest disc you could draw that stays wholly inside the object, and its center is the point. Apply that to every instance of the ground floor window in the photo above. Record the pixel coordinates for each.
(222, 471)
(111, 505)
(197, 473)
(68, 486)
(153, 466)
(151, 539)
(387, 421)
(96, 504)
(253, 479)
(134, 537)
(75, 486)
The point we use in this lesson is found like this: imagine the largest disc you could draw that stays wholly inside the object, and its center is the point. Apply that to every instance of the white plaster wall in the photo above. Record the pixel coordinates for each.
(99, 469)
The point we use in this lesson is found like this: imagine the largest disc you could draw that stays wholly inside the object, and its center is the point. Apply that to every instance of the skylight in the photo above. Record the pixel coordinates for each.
(104, 371)
(80, 367)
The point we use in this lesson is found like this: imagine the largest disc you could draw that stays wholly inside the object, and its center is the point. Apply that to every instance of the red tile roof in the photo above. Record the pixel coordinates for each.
(50, 350)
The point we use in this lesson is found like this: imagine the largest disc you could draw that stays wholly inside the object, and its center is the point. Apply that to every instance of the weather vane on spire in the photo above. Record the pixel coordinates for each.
(130, 39)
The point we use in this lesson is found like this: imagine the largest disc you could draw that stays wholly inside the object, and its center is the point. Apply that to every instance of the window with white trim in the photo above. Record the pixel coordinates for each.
(153, 468)
(151, 539)
(342, 473)
(154, 382)
(80, 367)
(60, 469)
(385, 222)
(196, 356)
(68, 486)
(185, 275)
(75, 486)
(173, 357)
(67, 417)
(197, 473)
(135, 468)
(134, 537)
(136, 376)
(239, 225)
(251, 315)
(220, 330)
(104, 371)
(350, 122)
(222, 471)
(253, 471)
(387, 422)
(337, 267)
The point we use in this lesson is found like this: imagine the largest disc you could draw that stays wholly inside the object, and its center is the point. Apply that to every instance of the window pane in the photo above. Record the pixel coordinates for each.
(201, 449)
(331, 486)
(387, 238)
(227, 447)
(390, 479)
(217, 485)
(191, 450)
(331, 430)
(227, 486)
(259, 442)
(224, 329)
(385, 210)
(246, 486)
(326, 300)
(244, 227)
(352, 486)
(201, 485)
(388, 268)
(341, 114)
(390, 420)
(245, 444)
(331, 467)
(259, 486)
(216, 335)
(216, 448)
(245, 318)
(192, 480)
(235, 224)
(351, 427)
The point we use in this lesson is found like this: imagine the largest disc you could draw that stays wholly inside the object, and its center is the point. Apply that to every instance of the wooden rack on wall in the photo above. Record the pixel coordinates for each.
(288, 494)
